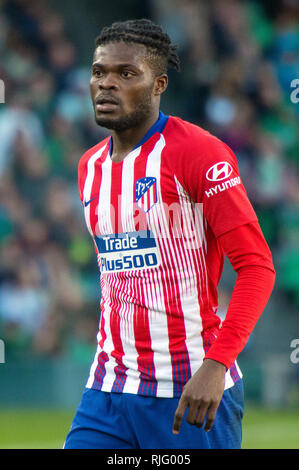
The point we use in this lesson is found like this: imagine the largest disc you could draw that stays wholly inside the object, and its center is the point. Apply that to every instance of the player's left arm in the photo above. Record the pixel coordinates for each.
(251, 258)
(212, 177)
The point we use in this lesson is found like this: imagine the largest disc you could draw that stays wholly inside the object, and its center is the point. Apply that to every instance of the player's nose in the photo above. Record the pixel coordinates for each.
(108, 82)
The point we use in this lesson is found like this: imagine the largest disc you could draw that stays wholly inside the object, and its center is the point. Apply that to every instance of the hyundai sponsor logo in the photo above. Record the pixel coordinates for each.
(218, 172)
(223, 186)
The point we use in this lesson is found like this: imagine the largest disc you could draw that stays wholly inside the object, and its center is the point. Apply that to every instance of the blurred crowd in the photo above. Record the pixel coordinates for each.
(239, 59)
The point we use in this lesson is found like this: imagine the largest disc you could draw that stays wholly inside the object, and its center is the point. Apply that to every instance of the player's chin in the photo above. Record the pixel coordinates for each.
(116, 123)
(106, 120)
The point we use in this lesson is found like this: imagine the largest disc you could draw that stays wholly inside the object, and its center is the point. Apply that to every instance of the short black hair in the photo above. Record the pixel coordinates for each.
(161, 52)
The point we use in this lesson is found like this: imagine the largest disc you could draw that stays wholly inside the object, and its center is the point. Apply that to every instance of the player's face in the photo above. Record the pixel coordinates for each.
(121, 86)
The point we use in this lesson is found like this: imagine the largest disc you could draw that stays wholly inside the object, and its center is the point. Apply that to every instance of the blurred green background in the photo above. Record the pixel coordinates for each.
(46, 429)
(239, 59)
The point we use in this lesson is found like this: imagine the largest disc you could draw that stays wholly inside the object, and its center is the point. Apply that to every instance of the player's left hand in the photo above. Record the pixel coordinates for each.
(202, 394)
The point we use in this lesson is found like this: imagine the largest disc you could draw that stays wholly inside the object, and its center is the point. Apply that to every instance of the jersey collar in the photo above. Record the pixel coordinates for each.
(157, 127)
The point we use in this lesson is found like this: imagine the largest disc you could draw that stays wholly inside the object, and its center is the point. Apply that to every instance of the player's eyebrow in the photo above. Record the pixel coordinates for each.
(120, 65)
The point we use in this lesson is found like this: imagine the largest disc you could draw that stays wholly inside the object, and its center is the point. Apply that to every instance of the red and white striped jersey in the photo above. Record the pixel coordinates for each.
(155, 218)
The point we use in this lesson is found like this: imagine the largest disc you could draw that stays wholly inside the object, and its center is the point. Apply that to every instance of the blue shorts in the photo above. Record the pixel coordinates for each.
(125, 421)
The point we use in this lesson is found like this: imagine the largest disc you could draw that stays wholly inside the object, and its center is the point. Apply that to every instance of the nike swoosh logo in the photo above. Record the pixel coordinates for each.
(88, 202)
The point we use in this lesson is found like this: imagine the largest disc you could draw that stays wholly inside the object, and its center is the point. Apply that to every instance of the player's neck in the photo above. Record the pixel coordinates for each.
(124, 142)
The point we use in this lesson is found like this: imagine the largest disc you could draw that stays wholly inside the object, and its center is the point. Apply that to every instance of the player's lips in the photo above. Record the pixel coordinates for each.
(106, 107)
(106, 104)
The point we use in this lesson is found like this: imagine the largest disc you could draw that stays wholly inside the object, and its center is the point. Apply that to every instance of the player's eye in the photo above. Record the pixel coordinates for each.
(127, 74)
(97, 73)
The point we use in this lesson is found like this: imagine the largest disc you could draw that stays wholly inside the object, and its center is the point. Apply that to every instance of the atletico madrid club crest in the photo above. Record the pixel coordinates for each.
(146, 193)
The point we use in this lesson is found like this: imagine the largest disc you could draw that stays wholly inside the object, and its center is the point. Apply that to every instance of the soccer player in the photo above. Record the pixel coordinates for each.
(163, 202)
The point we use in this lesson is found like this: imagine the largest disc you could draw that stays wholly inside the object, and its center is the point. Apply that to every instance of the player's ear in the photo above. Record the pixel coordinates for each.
(161, 84)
